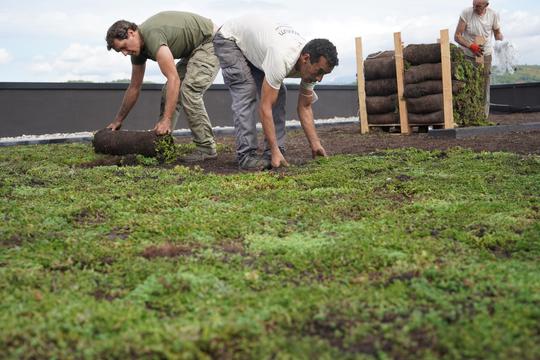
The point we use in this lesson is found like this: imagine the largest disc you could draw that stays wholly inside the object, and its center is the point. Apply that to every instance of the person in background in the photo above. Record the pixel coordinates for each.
(479, 22)
(163, 38)
(256, 55)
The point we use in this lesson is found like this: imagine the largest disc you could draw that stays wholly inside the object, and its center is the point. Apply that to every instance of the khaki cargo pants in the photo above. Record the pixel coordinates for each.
(197, 73)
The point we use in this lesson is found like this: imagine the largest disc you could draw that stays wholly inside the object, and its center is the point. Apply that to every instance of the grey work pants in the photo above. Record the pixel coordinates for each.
(197, 73)
(245, 82)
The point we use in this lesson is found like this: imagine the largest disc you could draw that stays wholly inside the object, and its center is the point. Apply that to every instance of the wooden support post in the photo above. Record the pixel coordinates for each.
(400, 78)
(446, 62)
(362, 113)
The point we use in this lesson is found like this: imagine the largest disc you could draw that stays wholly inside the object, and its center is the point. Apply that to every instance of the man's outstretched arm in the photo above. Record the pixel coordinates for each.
(130, 96)
(305, 113)
(269, 97)
(166, 64)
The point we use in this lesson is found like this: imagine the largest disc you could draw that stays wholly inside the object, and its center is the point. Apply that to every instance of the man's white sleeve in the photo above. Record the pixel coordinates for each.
(465, 16)
(496, 21)
(274, 67)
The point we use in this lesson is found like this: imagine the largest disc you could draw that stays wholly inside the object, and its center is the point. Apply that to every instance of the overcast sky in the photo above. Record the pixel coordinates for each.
(57, 40)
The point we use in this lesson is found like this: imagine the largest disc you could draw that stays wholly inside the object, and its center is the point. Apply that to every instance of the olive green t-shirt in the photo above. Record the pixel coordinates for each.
(182, 32)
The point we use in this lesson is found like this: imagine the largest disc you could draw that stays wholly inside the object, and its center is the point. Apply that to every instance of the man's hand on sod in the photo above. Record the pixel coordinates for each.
(318, 150)
(163, 127)
(115, 125)
(278, 160)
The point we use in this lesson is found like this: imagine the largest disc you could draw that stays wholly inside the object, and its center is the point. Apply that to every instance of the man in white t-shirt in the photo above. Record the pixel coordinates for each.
(255, 56)
(479, 21)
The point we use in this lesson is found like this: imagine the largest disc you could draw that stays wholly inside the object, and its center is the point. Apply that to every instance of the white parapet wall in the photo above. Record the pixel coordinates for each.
(63, 138)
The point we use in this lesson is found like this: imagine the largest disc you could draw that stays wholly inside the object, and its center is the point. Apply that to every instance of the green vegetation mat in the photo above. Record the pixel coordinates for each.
(469, 102)
(403, 254)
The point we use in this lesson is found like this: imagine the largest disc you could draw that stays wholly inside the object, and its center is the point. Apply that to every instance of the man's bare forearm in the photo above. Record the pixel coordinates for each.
(458, 35)
(130, 98)
(305, 113)
(461, 40)
(498, 35)
(269, 130)
(173, 91)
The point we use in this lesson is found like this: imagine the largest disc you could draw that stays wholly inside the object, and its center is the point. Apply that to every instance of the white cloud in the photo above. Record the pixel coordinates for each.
(520, 24)
(5, 56)
(81, 62)
(70, 35)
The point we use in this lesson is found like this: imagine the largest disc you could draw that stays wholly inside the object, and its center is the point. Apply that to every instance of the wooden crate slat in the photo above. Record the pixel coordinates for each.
(400, 78)
(446, 63)
(364, 127)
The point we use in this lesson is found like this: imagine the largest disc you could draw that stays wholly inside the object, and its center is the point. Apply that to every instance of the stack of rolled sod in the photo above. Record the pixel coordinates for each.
(424, 88)
(381, 89)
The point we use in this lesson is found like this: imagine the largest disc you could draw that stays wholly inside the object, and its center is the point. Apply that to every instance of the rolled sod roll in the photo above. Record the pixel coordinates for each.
(424, 72)
(434, 118)
(381, 87)
(384, 119)
(425, 104)
(125, 142)
(380, 68)
(381, 54)
(430, 87)
(381, 104)
(417, 54)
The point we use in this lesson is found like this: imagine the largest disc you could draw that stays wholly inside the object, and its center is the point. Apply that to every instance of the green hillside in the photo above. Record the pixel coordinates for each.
(523, 74)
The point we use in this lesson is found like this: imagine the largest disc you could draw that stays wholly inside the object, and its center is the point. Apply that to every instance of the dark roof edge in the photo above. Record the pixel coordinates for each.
(519, 85)
(123, 86)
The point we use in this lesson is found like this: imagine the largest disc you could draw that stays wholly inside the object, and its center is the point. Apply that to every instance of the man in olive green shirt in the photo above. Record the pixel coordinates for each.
(165, 37)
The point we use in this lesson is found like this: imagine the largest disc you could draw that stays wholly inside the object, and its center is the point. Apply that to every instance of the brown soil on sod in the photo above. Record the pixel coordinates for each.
(347, 140)
(168, 250)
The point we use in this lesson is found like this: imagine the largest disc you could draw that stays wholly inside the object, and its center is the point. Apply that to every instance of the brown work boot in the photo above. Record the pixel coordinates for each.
(254, 162)
(200, 155)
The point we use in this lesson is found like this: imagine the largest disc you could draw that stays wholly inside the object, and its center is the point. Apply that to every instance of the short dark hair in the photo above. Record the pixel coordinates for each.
(321, 47)
(119, 30)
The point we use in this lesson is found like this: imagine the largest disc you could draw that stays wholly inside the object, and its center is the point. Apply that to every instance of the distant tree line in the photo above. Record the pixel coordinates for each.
(522, 74)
